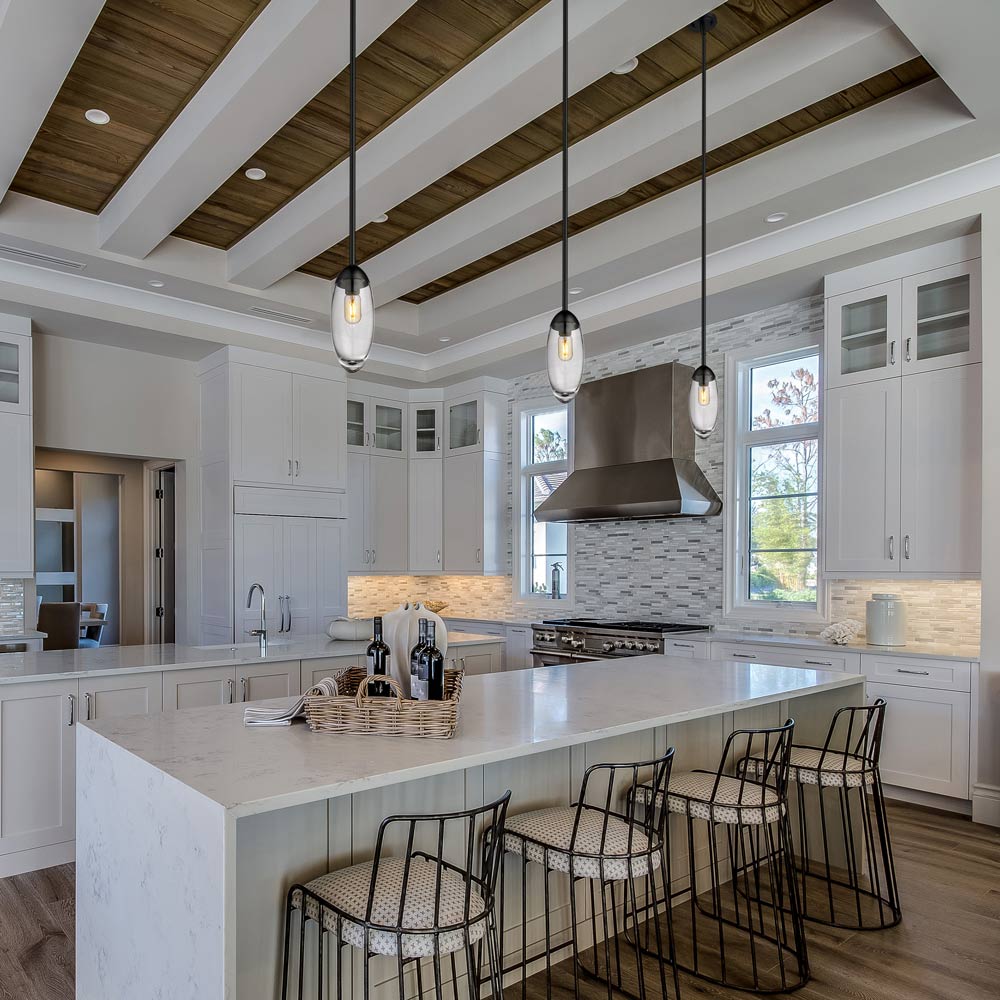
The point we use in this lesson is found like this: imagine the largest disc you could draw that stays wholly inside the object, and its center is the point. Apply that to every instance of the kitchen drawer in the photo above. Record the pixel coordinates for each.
(848, 662)
(476, 627)
(691, 648)
(943, 675)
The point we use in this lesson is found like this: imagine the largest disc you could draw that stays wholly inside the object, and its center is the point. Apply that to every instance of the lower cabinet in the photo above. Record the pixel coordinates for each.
(478, 659)
(37, 770)
(258, 681)
(517, 649)
(201, 688)
(313, 671)
(786, 656)
(128, 694)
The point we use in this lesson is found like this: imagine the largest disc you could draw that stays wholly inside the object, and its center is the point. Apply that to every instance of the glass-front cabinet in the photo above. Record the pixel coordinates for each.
(941, 315)
(464, 425)
(426, 439)
(357, 432)
(15, 373)
(863, 332)
(376, 426)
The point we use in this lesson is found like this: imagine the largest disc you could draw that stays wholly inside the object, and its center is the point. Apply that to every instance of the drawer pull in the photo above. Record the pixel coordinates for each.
(72, 709)
(918, 673)
(819, 663)
(684, 645)
(744, 656)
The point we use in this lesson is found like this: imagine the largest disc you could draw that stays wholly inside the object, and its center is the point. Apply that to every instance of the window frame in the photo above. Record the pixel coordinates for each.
(737, 606)
(521, 472)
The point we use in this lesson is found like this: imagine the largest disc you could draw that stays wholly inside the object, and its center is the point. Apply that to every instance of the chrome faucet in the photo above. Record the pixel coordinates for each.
(261, 632)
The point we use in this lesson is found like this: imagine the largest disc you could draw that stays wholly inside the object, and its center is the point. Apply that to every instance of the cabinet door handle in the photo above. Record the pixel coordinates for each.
(231, 684)
(479, 435)
(479, 555)
(439, 556)
(373, 557)
(289, 466)
(918, 673)
(86, 698)
(281, 605)
(296, 468)
(819, 663)
(243, 688)
(892, 352)
(288, 605)
(366, 557)
(437, 447)
(72, 709)
(908, 339)
(906, 546)
(892, 548)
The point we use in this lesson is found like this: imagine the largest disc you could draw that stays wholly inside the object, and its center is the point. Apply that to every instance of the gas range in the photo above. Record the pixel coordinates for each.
(578, 639)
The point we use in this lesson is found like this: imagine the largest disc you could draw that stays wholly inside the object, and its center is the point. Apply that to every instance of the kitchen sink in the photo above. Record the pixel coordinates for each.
(271, 644)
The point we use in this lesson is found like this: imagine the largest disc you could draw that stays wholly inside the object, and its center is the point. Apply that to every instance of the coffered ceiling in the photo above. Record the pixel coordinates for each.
(813, 105)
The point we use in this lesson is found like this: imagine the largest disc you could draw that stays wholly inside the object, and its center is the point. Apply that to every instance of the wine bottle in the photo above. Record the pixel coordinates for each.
(378, 654)
(432, 666)
(415, 659)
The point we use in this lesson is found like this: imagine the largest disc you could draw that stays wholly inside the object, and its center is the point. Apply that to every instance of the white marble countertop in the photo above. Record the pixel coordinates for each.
(503, 716)
(105, 660)
(941, 651)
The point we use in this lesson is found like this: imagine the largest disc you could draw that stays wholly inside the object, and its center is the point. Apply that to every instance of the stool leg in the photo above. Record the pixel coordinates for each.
(882, 821)
(288, 936)
(302, 948)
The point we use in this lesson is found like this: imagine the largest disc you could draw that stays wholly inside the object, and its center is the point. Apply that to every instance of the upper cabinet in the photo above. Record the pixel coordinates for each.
(281, 426)
(426, 437)
(15, 373)
(376, 426)
(925, 319)
(475, 422)
(17, 459)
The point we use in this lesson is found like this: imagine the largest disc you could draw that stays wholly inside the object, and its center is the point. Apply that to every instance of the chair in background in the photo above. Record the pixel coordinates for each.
(61, 620)
(92, 634)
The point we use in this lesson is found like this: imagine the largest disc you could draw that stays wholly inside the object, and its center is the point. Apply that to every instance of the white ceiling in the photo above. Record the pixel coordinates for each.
(924, 148)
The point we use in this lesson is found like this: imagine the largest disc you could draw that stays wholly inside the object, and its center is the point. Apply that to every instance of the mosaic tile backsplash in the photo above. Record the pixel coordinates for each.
(11, 604)
(673, 569)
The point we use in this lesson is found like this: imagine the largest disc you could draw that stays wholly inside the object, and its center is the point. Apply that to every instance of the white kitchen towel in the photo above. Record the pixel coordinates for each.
(257, 715)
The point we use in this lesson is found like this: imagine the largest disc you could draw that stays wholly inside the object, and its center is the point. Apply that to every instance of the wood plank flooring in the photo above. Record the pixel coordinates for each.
(946, 948)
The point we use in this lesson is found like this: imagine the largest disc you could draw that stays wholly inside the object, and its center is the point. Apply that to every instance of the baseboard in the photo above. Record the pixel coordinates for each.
(944, 802)
(986, 804)
(37, 858)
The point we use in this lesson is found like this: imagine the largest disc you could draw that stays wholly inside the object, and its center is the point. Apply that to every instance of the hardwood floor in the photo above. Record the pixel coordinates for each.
(946, 948)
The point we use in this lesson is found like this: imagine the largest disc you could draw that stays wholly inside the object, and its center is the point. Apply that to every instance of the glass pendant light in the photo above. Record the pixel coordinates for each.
(564, 350)
(352, 313)
(704, 399)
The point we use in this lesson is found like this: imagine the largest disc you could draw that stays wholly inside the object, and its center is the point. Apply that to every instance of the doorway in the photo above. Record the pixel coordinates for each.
(164, 597)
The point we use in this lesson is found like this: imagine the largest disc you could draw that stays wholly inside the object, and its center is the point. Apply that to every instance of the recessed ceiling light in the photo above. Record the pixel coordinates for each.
(255, 173)
(381, 218)
(576, 290)
(775, 217)
(156, 283)
(445, 340)
(97, 117)
(626, 67)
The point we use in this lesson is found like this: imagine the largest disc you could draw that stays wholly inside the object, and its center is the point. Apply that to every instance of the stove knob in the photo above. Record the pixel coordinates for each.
(578, 643)
(567, 640)
(652, 647)
(608, 646)
(629, 644)
(619, 644)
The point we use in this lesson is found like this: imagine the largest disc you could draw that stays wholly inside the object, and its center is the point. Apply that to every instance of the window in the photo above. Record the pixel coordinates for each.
(772, 476)
(542, 443)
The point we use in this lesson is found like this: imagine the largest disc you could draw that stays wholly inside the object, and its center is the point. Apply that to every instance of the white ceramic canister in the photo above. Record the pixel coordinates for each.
(886, 620)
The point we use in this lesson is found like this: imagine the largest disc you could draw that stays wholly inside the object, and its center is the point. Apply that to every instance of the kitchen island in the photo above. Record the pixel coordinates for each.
(192, 826)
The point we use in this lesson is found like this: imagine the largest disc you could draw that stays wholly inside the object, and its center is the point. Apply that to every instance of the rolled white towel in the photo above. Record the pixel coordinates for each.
(259, 715)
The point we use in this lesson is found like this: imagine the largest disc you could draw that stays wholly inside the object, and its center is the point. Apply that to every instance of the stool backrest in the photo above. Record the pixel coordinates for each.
(61, 620)
(856, 731)
(455, 837)
(760, 757)
(645, 811)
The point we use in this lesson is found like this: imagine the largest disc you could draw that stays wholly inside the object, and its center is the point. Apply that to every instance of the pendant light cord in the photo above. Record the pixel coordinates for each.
(565, 158)
(353, 129)
(704, 192)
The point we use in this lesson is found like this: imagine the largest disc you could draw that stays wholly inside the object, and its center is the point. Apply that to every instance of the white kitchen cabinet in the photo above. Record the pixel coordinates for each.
(941, 472)
(942, 323)
(862, 335)
(517, 650)
(259, 681)
(199, 688)
(376, 426)
(313, 671)
(786, 656)
(475, 422)
(426, 437)
(426, 516)
(17, 514)
(914, 671)
(377, 514)
(299, 562)
(318, 409)
(690, 648)
(117, 695)
(862, 477)
(477, 659)
(15, 371)
(925, 741)
(474, 514)
(37, 770)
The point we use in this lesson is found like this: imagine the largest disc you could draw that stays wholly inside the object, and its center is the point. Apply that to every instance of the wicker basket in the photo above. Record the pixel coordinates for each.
(355, 711)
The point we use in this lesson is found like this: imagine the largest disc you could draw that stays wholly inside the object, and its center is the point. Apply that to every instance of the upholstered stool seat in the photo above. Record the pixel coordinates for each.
(731, 801)
(545, 835)
(814, 766)
(347, 891)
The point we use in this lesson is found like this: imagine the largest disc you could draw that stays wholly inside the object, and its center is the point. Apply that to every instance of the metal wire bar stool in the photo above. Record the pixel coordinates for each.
(615, 853)
(862, 893)
(749, 937)
(433, 905)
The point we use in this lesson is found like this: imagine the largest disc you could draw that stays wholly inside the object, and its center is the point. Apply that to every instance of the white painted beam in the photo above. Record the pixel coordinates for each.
(39, 41)
(507, 86)
(833, 48)
(286, 56)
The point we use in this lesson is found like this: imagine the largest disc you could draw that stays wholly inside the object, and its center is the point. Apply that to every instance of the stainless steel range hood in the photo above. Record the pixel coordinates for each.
(633, 452)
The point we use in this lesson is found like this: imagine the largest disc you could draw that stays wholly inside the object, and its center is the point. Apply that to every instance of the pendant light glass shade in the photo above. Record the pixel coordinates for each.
(565, 356)
(352, 317)
(703, 403)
